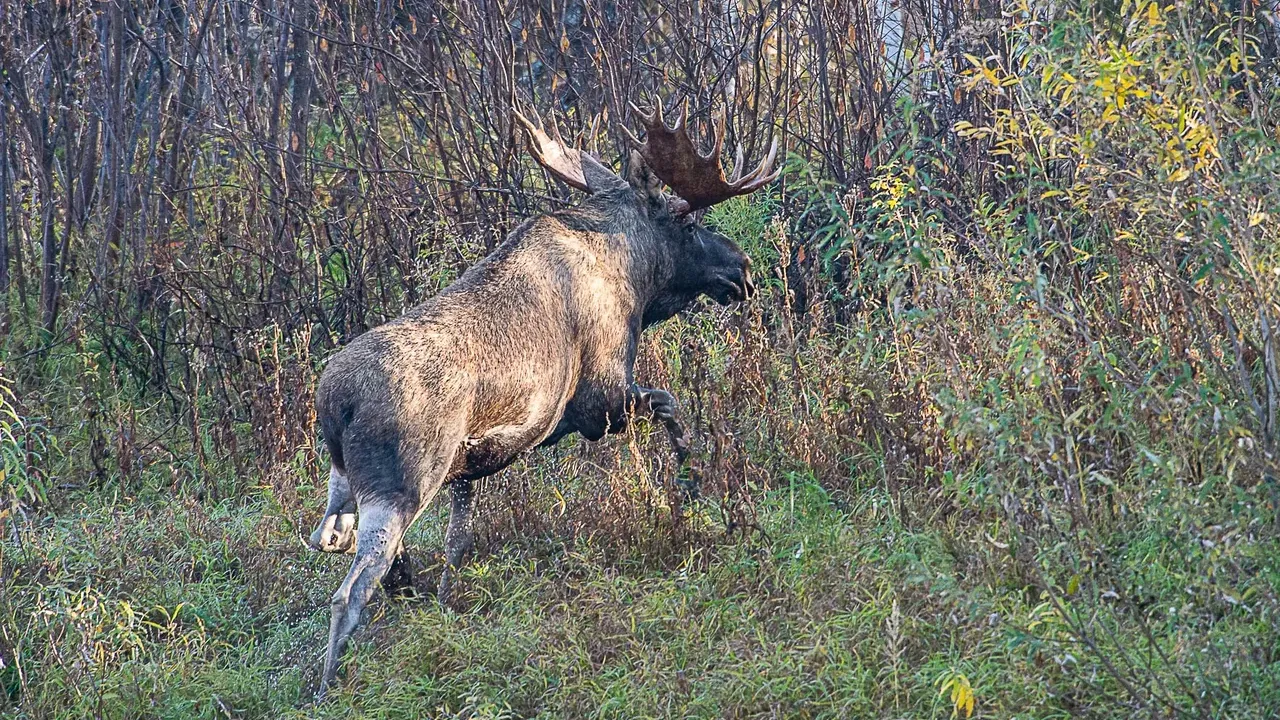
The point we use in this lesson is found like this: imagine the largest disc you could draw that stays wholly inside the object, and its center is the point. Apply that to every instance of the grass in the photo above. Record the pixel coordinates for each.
(903, 543)
(169, 608)
(857, 582)
(551, 628)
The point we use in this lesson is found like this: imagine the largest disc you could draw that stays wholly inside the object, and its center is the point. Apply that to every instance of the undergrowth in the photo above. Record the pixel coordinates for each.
(997, 439)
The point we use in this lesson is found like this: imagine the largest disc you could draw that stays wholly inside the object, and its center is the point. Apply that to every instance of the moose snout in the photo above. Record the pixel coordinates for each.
(732, 285)
(746, 284)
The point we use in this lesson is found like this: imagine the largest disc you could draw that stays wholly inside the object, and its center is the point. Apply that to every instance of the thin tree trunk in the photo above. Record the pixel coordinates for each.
(48, 247)
(301, 100)
(5, 320)
(18, 274)
(114, 145)
(183, 112)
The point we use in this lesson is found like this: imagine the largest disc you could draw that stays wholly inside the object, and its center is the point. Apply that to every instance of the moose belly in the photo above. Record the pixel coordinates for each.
(512, 426)
(494, 450)
(512, 414)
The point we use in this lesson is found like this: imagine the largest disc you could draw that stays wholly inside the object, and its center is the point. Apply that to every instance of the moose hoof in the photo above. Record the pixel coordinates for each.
(662, 405)
(687, 481)
(335, 534)
(447, 591)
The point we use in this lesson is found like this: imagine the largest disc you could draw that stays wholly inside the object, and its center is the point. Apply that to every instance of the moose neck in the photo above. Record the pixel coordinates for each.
(656, 271)
(649, 261)
(666, 304)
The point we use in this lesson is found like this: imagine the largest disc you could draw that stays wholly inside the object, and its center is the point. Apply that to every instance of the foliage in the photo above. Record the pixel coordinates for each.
(24, 444)
(997, 438)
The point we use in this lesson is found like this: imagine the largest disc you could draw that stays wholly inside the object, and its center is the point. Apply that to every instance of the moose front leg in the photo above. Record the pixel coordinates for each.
(661, 406)
(458, 538)
(563, 428)
(597, 413)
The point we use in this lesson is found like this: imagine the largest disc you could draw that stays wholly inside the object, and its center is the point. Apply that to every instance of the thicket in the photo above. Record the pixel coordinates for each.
(1022, 277)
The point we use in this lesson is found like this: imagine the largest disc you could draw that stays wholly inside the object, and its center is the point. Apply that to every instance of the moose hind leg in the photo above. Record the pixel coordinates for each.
(458, 539)
(388, 506)
(336, 532)
(382, 528)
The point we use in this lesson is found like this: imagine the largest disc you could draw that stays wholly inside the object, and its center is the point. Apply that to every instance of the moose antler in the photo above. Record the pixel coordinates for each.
(697, 179)
(571, 165)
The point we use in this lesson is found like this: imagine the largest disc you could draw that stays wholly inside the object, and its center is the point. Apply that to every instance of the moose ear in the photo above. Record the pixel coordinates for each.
(643, 181)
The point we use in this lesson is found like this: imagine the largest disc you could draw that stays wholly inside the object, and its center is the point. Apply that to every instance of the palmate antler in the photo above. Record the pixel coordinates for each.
(697, 179)
(573, 166)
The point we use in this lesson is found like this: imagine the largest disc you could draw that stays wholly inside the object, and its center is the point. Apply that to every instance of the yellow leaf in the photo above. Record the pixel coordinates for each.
(961, 693)
(1258, 218)
(561, 503)
(1153, 13)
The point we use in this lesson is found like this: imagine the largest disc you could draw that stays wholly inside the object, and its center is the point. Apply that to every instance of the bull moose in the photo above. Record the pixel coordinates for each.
(534, 342)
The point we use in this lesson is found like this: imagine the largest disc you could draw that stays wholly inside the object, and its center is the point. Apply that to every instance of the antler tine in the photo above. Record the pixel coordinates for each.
(551, 152)
(535, 132)
(737, 166)
(645, 117)
(524, 121)
(554, 130)
(631, 138)
(719, 144)
(761, 176)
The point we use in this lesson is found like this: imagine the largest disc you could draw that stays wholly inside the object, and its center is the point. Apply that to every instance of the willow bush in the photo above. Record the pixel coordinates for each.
(1092, 330)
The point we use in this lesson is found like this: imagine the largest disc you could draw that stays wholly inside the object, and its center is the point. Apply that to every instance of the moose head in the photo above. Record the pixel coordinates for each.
(696, 260)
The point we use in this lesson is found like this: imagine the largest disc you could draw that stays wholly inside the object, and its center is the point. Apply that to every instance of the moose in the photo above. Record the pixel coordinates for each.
(532, 343)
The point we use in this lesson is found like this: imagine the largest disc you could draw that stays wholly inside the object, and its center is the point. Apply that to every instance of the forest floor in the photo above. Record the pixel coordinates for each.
(178, 608)
(997, 437)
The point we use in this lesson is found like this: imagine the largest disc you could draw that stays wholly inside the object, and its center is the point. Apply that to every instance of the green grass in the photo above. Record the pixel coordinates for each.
(169, 608)
(178, 610)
